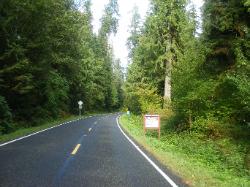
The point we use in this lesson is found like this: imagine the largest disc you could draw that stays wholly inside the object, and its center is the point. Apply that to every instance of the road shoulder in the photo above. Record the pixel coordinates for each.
(152, 156)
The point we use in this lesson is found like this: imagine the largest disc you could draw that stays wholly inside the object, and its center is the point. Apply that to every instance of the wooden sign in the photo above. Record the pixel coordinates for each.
(152, 122)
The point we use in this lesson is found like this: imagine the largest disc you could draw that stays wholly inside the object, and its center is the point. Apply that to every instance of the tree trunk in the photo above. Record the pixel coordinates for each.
(167, 88)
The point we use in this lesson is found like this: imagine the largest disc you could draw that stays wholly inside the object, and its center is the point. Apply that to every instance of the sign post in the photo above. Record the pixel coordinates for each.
(152, 122)
(80, 107)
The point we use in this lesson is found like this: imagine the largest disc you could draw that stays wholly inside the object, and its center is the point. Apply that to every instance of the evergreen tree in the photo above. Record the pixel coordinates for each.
(226, 33)
(50, 58)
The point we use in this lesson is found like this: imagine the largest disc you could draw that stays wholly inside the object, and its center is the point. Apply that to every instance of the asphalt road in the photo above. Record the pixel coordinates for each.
(87, 152)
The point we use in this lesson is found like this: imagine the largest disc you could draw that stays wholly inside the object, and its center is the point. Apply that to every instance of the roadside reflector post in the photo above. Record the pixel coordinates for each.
(128, 114)
(80, 103)
(152, 122)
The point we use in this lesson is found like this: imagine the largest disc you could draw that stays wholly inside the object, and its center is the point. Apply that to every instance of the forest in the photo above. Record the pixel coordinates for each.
(195, 73)
(50, 58)
(202, 77)
(192, 70)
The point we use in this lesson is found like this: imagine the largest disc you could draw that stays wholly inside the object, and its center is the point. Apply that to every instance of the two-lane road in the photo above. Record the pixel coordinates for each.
(87, 152)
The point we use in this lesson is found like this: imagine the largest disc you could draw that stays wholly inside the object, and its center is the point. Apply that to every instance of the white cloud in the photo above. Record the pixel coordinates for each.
(97, 11)
(120, 39)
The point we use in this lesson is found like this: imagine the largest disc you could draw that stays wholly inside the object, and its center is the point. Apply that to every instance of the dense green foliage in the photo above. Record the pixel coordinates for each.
(50, 58)
(198, 160)
(158, 47)
(209, 75)
(209, 72)
(5, 117)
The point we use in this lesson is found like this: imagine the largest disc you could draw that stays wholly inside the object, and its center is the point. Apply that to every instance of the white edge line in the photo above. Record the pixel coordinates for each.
(164, 175)
(12, 141)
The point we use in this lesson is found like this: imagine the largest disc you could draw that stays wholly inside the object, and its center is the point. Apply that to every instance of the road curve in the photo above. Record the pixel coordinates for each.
(87, 152)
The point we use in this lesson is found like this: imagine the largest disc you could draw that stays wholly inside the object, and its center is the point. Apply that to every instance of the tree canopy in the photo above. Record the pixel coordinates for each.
(207, 74)
(50, 58)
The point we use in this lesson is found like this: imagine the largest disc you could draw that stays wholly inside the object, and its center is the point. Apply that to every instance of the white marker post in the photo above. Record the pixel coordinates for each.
(128, 114)
(80, 107)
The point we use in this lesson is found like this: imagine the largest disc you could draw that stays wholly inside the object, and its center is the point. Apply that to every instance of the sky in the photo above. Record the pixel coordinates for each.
(125, 10)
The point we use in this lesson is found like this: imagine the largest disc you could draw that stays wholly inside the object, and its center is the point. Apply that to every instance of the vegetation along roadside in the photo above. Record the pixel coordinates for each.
(199, 160)
(199, 82)
(23, 131)
(29, 130)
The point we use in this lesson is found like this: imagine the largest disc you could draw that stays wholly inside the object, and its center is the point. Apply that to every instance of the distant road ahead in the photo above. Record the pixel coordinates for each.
(87, 152)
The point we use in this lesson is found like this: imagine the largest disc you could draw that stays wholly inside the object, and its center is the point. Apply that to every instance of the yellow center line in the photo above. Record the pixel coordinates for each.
(76, 149)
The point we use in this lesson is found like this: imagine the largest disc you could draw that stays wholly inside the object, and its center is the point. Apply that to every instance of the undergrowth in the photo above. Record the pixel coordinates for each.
(201, 159)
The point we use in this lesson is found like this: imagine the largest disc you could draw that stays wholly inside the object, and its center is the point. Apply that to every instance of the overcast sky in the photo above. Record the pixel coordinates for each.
(125, 10)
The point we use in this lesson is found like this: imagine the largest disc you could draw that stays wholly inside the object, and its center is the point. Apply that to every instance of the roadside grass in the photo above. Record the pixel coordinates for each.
(29, 130)
(199, 161)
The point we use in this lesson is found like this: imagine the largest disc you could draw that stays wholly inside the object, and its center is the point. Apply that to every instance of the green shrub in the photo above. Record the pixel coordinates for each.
(56, 90)
(5, 117)
(144, 99)
(133, 104)
(207, 125)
